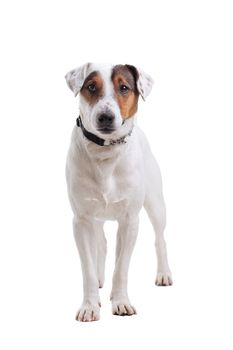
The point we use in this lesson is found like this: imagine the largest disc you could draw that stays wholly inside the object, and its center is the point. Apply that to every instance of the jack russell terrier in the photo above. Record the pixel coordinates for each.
(111, 173)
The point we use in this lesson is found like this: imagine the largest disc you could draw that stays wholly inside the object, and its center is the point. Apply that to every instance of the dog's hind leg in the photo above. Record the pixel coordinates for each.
(155, 208)
(101, 252)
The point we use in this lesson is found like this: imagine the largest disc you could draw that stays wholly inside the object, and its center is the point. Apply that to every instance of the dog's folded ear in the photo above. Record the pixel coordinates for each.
(143, 80)
(75, 78)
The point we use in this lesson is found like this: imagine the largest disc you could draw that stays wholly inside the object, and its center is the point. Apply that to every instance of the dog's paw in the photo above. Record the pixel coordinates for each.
(163, 279)
(88, 313)
(123, 308)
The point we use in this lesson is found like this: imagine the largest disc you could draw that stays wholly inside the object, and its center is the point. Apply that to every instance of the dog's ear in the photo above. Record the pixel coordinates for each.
(143, 80)
(75, 78)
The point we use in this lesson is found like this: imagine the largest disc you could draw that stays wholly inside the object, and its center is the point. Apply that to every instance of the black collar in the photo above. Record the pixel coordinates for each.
(98, 140)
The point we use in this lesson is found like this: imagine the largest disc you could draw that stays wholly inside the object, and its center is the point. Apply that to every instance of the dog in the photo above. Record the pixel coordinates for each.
(111, 173)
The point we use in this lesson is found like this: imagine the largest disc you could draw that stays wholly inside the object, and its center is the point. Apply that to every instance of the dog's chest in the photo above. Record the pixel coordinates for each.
(105, 183)
(109, 190)
(110, 182)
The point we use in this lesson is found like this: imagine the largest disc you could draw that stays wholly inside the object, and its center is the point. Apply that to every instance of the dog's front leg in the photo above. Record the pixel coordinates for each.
(126, 238)
(86, 241)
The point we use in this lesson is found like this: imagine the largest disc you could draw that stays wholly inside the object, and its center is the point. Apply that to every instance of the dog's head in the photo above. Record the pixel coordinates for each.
(108, 94)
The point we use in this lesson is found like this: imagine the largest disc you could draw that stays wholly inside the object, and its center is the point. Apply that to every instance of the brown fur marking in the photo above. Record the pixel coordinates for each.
(95, 79)
(128, 102)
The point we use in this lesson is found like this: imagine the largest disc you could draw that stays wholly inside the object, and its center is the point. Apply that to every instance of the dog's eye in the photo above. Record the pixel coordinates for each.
(91, 88)
(123, 89)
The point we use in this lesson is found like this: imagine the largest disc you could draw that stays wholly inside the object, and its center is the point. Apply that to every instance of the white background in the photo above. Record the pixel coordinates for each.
(187, 47)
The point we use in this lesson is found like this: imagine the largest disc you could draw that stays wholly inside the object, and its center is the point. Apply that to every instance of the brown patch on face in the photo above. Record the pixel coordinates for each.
(92, 89)
(124, 81)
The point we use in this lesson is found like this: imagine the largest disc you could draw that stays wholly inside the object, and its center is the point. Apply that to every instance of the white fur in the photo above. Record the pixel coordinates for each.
(112, 183)
(144, 84)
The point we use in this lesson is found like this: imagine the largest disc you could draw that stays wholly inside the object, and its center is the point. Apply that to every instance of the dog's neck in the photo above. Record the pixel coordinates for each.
(107, 154)
(105, 158)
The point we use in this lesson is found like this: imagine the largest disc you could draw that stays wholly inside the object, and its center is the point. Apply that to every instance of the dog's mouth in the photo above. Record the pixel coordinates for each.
(106, 130)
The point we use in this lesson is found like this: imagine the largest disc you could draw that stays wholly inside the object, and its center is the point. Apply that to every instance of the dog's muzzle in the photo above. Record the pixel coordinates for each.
(105, 123)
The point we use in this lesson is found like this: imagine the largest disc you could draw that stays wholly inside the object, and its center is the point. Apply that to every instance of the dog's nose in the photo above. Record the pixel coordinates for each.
(105, 120)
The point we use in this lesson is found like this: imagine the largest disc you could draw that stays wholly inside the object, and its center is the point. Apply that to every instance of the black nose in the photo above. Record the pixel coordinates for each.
(105, 120)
